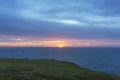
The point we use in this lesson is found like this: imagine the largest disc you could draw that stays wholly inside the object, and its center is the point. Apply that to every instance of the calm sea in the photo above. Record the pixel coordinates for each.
(100, 59)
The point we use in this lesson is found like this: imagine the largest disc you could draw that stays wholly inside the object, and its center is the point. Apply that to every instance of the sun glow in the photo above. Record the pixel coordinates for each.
(60, 46)
(60, 43)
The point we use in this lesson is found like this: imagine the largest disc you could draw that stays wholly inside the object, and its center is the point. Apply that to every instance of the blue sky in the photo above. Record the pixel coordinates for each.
(76, 21)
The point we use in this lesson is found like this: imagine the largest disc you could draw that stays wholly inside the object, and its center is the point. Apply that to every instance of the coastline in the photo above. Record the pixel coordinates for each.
(41, 69)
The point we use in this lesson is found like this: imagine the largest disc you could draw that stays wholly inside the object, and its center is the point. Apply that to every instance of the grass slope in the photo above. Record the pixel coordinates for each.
(23, 69)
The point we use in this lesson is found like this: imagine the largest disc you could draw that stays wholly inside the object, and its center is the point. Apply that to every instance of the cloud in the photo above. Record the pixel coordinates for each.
(52, 42)
(79, 19)
(71, 22)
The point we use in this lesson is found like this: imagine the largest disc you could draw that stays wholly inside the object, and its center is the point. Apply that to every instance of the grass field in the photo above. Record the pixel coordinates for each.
(23, 69)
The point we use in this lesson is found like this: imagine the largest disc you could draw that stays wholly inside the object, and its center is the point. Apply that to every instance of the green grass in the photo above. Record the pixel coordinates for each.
(23, 69)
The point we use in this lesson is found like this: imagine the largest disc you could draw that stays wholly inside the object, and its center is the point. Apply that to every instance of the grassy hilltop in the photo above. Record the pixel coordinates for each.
(23, 69)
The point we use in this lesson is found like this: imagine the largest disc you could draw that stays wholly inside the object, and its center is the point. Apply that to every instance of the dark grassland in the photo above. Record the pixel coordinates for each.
(23, 69)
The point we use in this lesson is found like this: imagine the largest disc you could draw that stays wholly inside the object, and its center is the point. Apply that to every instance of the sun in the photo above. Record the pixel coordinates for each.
(60, 43)
(60, 46)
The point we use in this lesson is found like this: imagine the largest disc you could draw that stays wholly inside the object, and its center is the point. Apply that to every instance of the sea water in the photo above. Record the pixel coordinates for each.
(100, 59)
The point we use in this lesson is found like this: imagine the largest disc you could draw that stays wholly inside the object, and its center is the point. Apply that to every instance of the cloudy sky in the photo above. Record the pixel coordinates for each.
(69, 23)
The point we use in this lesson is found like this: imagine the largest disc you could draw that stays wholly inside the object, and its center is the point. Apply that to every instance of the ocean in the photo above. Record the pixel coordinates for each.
(99, 59)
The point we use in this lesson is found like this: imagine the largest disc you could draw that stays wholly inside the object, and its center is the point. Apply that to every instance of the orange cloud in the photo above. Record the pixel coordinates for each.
(55, 42)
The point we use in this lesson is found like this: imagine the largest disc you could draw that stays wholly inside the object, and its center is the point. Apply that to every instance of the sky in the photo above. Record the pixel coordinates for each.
(56, 23)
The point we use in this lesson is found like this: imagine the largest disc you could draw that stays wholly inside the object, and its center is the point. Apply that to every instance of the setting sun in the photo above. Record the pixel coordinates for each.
(60, 46)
